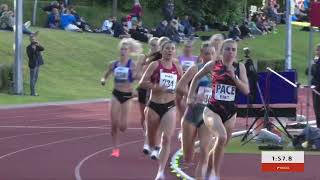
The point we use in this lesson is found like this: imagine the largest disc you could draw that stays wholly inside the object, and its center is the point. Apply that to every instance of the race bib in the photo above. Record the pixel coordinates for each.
(225, 92)
(168, 80)
(121, 73)
(205, 94)
(186, 65)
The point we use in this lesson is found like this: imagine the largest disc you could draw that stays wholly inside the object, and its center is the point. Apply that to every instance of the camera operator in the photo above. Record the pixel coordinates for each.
(35, 61)
(252, 75)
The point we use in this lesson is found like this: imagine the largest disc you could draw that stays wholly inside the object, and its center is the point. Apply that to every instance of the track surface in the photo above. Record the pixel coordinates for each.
(66, 142)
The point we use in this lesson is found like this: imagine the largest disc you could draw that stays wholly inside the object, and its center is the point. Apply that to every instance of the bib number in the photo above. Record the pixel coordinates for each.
(186, 65)
(121, 74)
(168, 80)
(205, 93)
(224, 92)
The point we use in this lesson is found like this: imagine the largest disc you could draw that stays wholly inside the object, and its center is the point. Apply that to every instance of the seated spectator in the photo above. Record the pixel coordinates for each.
(160, 29)
(7, 22)
(301, 16)
(254, 29)
(120, 30)
(138, 32)
(187, 26)
(244, 30)
(107, 25)
(80, 22)
(172, 32)
(234, 32)
(48, 9)
(67, 22)
(54, 19)
(3, 8)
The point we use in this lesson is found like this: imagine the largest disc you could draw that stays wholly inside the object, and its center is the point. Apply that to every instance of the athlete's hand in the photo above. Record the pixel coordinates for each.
(231, 71)
(190, 100)
(103, 81)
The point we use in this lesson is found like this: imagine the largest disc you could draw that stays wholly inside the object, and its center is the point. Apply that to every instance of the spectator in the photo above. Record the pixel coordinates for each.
(187, 26)
(54, 19)
(107, 25)
(35, 61)
(244, 30)
(160, 29)
(136, 12)
(120, 29)
(172, 32)
(234, 32)
(67, 22)
(48, 9)
(3, 8)
(138, 32)
(80, 22)
(168, 10)
(7, 22)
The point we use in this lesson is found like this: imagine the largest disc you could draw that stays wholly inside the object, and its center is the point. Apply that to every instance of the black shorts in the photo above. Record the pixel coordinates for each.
(142, 95)
(122, 97)
(161, 109)
(224, 111)
(194, 114)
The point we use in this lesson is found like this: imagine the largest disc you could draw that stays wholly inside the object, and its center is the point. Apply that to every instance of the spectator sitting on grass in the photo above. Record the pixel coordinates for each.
(172, 32)
(3, 8)
(120, 29)
(107, 25)
(67, 21)
(138, 32)
(160, 29)
(48, 9)
(54, 19)
(187, 26)
(7, 22)
(80, 22)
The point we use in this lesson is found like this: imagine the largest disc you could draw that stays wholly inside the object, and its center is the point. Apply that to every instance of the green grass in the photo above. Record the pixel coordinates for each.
(74, 62)
(235, 146)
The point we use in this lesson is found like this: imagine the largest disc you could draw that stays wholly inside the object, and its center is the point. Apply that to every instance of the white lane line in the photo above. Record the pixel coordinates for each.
(47, 144)
(74, 122)
(77, 169)
(32, 134)
(55, 115)
(62, 103)
(64, 127)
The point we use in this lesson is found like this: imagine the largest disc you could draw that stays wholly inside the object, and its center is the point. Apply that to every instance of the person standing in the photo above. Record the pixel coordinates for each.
(35, 61)
(315, 82)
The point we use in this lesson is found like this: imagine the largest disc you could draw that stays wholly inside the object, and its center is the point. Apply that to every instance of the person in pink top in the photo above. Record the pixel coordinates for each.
(136, 10)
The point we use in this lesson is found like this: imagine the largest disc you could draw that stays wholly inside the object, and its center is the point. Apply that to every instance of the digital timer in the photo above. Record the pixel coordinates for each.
(282, 161)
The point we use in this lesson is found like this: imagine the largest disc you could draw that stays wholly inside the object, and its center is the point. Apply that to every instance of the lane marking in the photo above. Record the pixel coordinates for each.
(78, 167)
(51, 143)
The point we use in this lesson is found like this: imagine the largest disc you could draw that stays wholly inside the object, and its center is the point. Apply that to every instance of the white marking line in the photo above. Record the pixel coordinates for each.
(62, 103)
(64, 127)
(55, 142)
(31, 134)
(74, 122)
(56, 115)
(77, 169)
(55, 118)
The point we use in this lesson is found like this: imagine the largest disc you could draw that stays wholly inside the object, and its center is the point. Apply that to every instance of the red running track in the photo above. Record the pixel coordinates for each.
(73, 142)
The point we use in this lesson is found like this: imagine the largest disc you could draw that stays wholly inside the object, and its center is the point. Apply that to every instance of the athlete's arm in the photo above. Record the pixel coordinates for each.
(202, 72)
(145, 81)
(242, 81)
(139, 67)
(182, 87)
(107, 73)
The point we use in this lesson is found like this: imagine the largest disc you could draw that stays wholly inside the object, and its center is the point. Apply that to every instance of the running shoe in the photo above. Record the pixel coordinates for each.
(155, 153)
(115, 153)
(146, 149)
